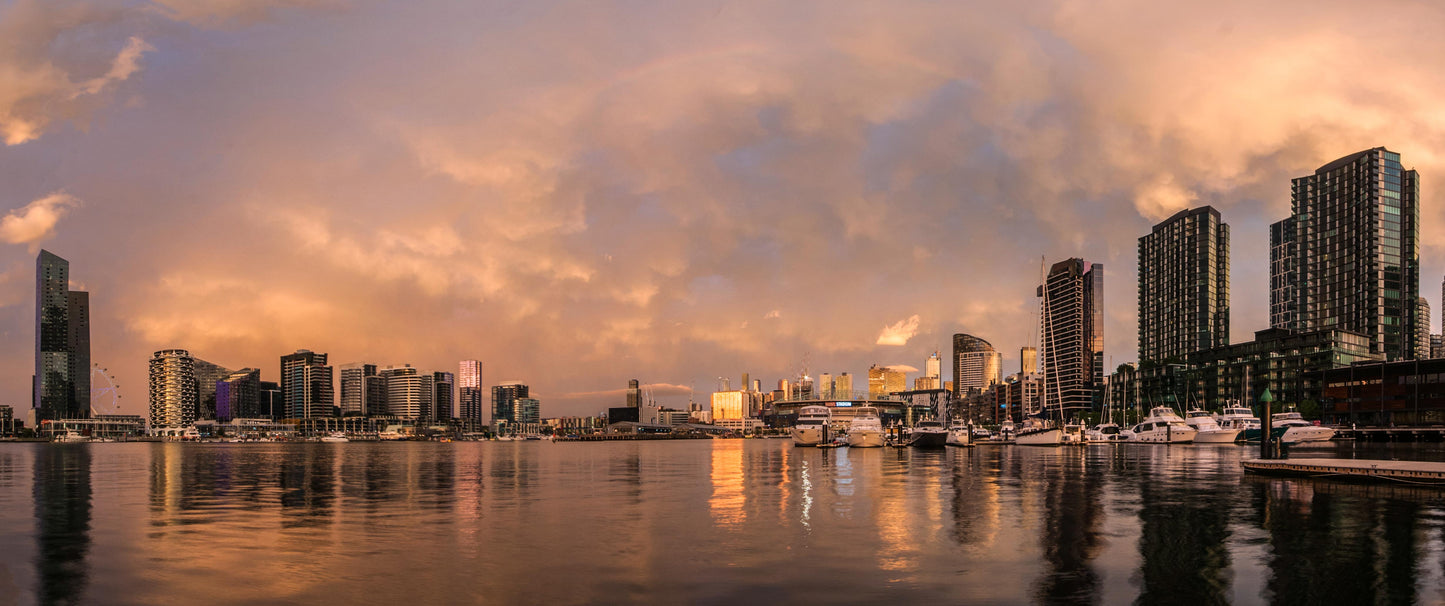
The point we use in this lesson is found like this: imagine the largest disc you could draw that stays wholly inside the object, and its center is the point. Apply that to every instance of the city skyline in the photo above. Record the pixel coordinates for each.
(665, 209)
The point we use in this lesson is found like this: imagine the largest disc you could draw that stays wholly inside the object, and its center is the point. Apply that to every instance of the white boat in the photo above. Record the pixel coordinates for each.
(1007, 430)
(811, 429)
(1163, 426)
(1106, 432)
(865, 431)
(928, 434)
(1036, 432)
(1207, 430)
(71, 435)
(1073, 434)
(1243, 419)
(959, 434)
(980, 433)
(1297, 429)
(335, 436)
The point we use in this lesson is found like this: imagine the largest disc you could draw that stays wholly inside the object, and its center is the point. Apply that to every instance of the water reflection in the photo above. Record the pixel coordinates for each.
(62, 513)
(728, 501)
(1070, 537)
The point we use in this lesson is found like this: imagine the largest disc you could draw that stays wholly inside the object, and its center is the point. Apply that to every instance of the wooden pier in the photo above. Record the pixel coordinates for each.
(1354, 470)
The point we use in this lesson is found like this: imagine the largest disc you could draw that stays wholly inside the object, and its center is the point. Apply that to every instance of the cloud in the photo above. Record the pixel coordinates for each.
(900, 332)
(214, 13)
(657, 389)
(35, 222)
(902, 368)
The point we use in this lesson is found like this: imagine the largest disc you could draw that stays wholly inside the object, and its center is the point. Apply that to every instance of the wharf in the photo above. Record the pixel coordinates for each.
(1356, 470)
(626, 437)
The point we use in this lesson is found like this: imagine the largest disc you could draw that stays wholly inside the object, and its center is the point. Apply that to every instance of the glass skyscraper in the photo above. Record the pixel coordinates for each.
(61, 385)
(307, 386)
(504, 402)
(1348, 256)
(469, 389)
(1071, 331)
(1184, 285)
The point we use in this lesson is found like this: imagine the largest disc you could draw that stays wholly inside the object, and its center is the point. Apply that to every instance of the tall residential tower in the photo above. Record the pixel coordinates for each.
(1348, 256)
(1071, 334)
(61, 384)
(1184, 285)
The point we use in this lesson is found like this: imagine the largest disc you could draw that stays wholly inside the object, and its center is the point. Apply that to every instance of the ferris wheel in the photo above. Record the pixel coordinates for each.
(104, 393)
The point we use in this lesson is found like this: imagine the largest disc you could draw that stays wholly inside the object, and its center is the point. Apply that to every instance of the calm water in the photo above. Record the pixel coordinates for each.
(705, 521)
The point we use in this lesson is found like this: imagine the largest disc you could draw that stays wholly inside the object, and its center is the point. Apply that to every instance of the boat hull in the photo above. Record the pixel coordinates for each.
(1252, 435)
(959, 438)
(1172, 436)
(867, 438)
(809, 436)
(1217, 436)
(928, 439)
(1043, 437)
(1298, 434)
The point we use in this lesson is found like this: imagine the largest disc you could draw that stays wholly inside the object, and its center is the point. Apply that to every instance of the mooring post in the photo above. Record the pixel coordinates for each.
(1266, 450)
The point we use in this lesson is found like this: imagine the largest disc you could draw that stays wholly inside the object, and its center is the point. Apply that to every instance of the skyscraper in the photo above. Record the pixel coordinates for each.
(1028, 360)
(933, 366)
(408, 392)
(1348, 256)
(504, 401)
(1184, 285)
(634, 394)
(976, 364)
(469, 388)
(1422, 329)
(307, 386)
(61, 384)
(208, 374)
(173, 389)
(884, 380)
(843, 386)
(352, 387)
(529, 410)
(442, 395)
(1072, 335)
(238, 395)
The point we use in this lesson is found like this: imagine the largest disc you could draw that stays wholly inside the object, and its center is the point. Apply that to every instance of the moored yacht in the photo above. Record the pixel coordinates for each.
(1243, 419)
(1073, 433)
(1163, 426)
(811, 429)
(1037, 432)
(1297, 429)
(335, 436)
(959, 433)
(928, 434)
(865, 431)
(1007, 430)
(1207, 430)
(1106, 432)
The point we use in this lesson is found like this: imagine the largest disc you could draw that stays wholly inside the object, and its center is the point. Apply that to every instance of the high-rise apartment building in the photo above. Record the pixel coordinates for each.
(529, 410)
(272, 403)
(1348, 256)
(408, 392)
(173, 389)
(976, 364)
(443, 398)
(471, 400)
(1028, 360)
(1184, 285)
(1072, 335)
(884, 380)
(933, 366)
(1422, 329)
(208, 374)
(238, 396)
(61, 384)
(504, 401)
(352, 390)
(307, 386)
(843, 386)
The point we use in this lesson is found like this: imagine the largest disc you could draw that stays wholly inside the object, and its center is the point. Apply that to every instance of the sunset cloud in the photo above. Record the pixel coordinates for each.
(35, 222)
(900, 332)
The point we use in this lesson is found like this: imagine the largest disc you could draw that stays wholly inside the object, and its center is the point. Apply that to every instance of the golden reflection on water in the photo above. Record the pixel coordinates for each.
(728, 502)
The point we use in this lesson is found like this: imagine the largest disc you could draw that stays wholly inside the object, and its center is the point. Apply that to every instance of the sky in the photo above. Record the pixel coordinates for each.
(582, 193)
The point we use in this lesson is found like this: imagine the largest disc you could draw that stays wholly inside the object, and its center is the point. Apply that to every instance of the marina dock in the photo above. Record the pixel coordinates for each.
(1354, 470)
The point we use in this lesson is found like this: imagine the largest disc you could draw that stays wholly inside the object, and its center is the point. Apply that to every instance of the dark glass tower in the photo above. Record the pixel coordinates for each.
(61, 387)
(1184, 285)
(1071, 333)
(1348, 257)
(306, 385)
(469, 386)
(504, 402)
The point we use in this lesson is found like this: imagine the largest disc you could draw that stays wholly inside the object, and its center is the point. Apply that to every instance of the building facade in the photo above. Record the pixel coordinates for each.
(504, 402)
(882, 380)
(443, 396)
(1184, 285)
(1071, 335)
(1348, 256)
(408, 392)
(307, 386)
(238, 396)
(61, 384)
(352, 388)
(470, 400)
(208, 374)
(976, 364)
(1410, 392)
(173, 389)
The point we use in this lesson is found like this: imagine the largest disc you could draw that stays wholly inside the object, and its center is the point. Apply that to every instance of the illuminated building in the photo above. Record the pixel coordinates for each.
(976, 364)
(471, 400)
(884, 380)
(727, 405)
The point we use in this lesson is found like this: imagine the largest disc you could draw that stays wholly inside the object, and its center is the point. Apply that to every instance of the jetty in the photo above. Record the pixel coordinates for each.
(1353, 470)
